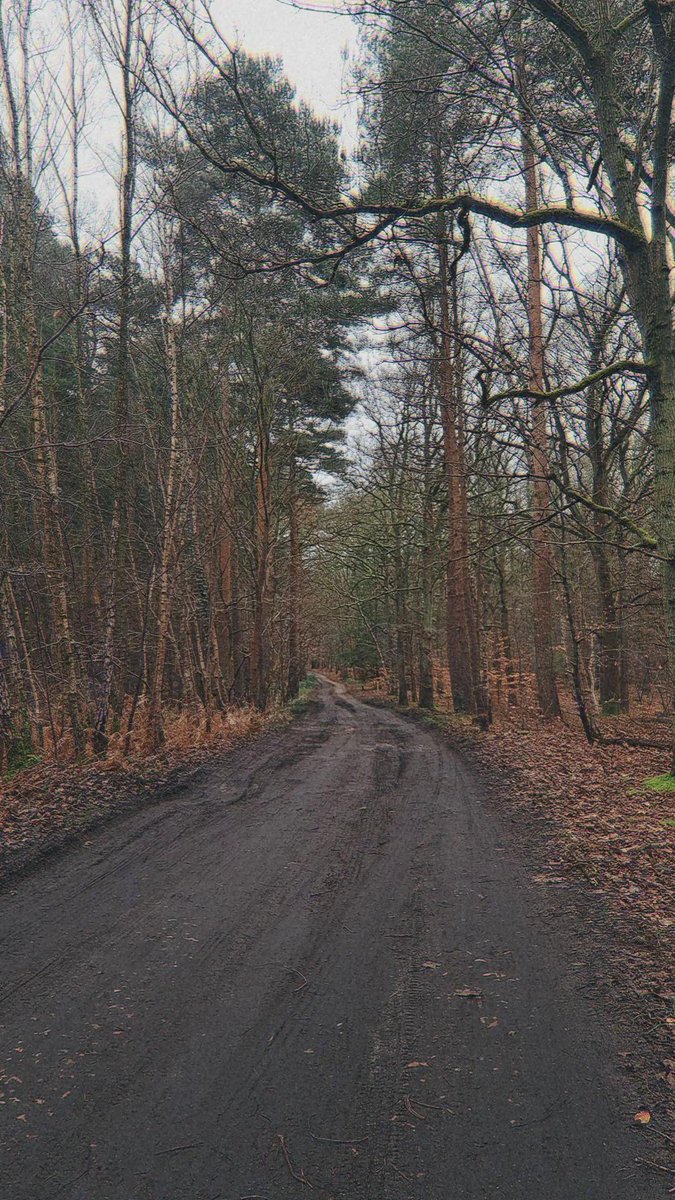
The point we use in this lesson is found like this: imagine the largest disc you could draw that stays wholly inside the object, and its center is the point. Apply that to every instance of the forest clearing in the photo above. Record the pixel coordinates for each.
(337, 594)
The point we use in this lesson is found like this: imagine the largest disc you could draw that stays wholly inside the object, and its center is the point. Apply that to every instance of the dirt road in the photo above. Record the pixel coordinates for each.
(325, 972)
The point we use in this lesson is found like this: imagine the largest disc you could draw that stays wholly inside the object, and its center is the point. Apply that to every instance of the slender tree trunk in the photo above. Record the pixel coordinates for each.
(580, 681)
(505, 633)
(295, 669)
(542, 587)
(48, 506)
(458, 616)
(426, 630)
(120, 517)
(609, 667)
(259, 650)
(167, 555)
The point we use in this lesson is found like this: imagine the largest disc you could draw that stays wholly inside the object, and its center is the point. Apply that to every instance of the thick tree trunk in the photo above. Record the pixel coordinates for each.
(646, 269)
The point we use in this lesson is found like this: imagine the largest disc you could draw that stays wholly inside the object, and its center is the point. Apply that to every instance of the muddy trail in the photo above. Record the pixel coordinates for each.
(326, 971)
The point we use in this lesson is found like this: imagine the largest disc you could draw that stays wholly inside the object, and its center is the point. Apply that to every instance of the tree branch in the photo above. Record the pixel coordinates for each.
(562, 20)
(644, 537)
(623, 366)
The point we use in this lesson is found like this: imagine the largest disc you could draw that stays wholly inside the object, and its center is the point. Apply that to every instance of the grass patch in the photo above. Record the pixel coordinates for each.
(21, 756)
(301, 703)
(661, 783)
(307, 685)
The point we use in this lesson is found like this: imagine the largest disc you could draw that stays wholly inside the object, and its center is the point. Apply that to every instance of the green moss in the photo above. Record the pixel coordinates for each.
(661, 783)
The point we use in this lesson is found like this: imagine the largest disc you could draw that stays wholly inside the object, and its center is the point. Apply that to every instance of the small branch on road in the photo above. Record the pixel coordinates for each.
(300, 975)
(412, 1110)
(179, 1149)
(299, 1175)
(646, 1162)
(408, 1178)
(338, 1141)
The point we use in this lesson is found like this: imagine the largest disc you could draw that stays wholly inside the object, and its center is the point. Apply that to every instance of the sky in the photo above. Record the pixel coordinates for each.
(311, 44)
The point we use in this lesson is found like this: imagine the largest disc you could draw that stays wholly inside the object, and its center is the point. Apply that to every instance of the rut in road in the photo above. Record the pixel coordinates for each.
(326, 972)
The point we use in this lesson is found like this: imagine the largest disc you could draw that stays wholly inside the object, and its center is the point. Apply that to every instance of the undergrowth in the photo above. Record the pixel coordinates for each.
(661, 783)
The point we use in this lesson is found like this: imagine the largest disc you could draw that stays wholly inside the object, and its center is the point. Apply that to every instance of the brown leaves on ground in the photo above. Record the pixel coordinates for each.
(611, 827)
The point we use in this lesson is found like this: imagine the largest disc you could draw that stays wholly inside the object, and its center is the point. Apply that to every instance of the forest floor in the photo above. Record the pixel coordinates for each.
(45, 806)
(333, 965)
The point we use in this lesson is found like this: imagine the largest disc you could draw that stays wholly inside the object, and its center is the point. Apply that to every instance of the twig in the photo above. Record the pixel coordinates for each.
(423, 1104)
(412, 1105)
(646, 1162)
(408, 1178)
(300, 975)
(338, 1141)
(299, 1175)
(177, 1149)
(409, 1105)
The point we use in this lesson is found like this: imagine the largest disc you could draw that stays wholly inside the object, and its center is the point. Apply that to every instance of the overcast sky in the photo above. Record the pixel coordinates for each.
(312, 46)
(310, 43)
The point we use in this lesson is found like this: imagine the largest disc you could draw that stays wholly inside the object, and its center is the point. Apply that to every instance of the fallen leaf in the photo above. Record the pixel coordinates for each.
(643, 1116)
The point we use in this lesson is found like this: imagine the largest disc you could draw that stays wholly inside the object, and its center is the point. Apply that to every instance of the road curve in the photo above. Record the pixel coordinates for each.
(324, 972)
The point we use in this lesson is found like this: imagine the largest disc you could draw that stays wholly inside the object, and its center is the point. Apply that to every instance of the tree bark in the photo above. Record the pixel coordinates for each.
(295, 669)
(167, 553)
(259, 649)
(542, 587)
(119, 524)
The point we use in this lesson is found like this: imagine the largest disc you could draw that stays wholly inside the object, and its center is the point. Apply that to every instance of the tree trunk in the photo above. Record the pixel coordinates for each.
(542, 589)
(458, 614)
(426, 630)
(119, 524)
(167, 555)
(48, 505)
(259, 651)
(580, 682)
(295, 669)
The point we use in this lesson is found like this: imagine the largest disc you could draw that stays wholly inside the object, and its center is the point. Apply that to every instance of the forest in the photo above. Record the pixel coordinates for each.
(337, 599)
(403, 409)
